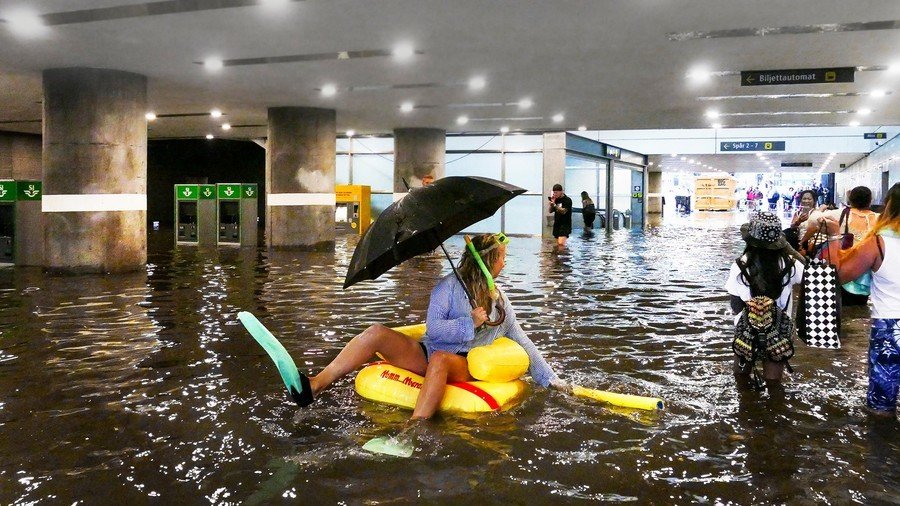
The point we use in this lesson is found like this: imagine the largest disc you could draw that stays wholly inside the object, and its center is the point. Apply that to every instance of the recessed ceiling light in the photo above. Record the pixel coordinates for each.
(406, 106)
(525, 103)
(854, 123)
(865, 111)
(210, 136)
(717, 125)
(215, 113)
(651, 163)
(699, 75)
(558, 118)
(25, 23)
(150, 116)
(226, 126)
(403, 51)
(877, 93)
(462, 120)
(504, 130)
(329, 90)
(213, 64)
(674, 155)
(582, 128)
(351, 133)
(893, 68)
(477, 83)
(274, 3)
(683, 158)
(712, 114)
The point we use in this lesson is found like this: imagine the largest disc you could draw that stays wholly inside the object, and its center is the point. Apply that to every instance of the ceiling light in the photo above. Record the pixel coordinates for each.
(854, 123)
(558, 118)
(691, 160)
(525, 103)
(150, 116)
(877, 93)
(893, 68)
(25, 23)
(700, 75)
(403, 52)
(683, 158)
(864, 111)
(215, 113)
(651, 163)
(582, 128)
(210, 136)
(226, 126)
(674, 155)
(351, 133)
(406, 106)
(462, 120)
(477, 83)
(329, 90)
(712, 114)
(274, 3)
(504, 130)
(213, 64)
(717, 125)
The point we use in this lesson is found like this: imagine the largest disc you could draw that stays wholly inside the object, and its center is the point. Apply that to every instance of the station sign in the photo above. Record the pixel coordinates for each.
(207, 192)
(187, 192)
(797, 76)
(796, 164)
(752, 146)
(229, 191)
(613, 152)
(7, 191)
(875, 135)
(249, 191)
(29, 190)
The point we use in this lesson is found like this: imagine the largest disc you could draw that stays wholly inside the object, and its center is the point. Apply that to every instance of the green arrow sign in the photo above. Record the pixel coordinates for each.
(7, 191)
(207, 192)
(229, 191)
(187, 192)
(248, 191)
(29, 190)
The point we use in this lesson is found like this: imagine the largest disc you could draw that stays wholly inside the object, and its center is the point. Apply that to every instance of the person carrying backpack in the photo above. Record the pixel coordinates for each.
(760, 283)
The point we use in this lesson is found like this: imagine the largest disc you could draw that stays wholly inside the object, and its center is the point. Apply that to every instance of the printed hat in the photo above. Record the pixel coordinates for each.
(764, 231)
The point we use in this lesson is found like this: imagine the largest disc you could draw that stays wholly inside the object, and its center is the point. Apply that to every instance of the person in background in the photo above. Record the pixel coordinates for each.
(879, 252)
(766, 268)
(561, 208)
(800, 221)
(427, 179)
(588, 210)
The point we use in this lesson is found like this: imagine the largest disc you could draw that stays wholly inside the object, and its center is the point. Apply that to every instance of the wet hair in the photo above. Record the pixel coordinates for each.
(860, 197)
(890, 217)
(769, 270)
(471, 272)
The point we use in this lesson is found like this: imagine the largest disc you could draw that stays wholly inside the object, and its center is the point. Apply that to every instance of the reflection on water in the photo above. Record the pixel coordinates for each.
(144, 386)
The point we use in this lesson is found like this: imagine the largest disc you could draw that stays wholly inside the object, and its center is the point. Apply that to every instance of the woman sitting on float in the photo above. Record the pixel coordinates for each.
(453, 328)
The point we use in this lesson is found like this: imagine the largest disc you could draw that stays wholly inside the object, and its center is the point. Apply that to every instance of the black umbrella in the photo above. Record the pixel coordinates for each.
(423, 220)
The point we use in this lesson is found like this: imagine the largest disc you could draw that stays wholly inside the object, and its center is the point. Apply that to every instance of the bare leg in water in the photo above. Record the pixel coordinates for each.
(443, 367)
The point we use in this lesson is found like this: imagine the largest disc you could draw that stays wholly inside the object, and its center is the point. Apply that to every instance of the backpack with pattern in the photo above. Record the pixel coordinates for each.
(763, 332)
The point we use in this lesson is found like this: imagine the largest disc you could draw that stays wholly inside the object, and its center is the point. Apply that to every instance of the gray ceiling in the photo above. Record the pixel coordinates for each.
(603, 64)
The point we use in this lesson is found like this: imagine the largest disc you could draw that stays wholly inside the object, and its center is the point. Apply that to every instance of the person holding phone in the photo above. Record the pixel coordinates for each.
(561, 208)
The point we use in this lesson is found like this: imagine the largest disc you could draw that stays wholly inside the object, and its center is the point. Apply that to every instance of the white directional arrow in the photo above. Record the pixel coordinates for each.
(229, 192)
(187, 191)
(249, 192)
(207, 192)
(3, 191)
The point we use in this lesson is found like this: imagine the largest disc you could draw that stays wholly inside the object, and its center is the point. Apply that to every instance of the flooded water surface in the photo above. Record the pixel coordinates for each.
(144, 388)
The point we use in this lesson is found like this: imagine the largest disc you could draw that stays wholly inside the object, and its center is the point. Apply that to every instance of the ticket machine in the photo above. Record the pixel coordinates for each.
(237, 214)
(7, 221)
(21, 223)
(195, 214)
(353, 208)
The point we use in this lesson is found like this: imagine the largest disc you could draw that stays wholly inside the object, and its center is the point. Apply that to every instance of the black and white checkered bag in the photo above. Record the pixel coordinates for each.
(819, 311)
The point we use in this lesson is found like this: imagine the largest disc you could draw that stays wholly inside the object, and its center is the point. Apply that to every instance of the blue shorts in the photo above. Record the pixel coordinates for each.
(463, 354)
(884, 364)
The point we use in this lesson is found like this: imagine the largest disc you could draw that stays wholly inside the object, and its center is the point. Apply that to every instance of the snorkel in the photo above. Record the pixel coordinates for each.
(502, 240)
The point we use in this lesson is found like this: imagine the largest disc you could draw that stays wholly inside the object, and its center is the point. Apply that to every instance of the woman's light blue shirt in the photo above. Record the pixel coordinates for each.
(450, 328)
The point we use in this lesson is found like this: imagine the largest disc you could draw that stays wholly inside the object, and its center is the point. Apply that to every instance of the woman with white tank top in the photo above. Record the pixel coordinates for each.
(879, 251)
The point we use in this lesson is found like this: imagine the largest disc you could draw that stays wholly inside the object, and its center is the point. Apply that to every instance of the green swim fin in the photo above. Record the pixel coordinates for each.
(279, 355)
(390, 446)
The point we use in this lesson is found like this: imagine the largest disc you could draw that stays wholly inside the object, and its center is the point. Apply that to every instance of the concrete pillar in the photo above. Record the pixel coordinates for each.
(654, 192)
(554, 173)
(300, 178)
(94, 170)
(418, 152)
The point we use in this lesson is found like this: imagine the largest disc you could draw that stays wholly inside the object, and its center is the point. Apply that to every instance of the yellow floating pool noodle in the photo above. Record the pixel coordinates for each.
(624, 400)
(501, 361)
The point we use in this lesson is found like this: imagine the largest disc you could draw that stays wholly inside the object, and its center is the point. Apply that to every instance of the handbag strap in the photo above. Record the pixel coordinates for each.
(845, 219)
